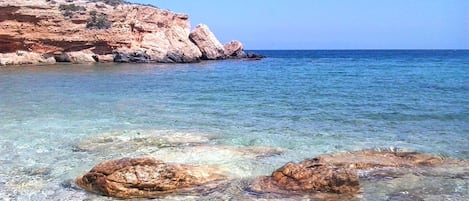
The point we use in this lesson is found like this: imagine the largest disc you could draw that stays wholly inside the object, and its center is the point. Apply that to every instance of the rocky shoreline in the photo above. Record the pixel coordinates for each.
(334, 175)
(180, 164)
(51, 31)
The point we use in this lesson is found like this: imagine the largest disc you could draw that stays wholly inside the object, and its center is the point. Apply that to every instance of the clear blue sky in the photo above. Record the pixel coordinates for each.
(331, 24)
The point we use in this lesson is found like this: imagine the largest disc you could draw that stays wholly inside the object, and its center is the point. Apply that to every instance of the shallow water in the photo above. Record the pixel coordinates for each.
(303, 103)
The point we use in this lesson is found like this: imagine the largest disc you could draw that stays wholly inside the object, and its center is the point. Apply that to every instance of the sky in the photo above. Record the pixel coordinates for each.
(331, 24)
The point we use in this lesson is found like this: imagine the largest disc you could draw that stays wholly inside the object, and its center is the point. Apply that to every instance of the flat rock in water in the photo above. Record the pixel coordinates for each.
(309, 176)
(338, 173)
(147, 178)
(369, 159)
(215, 154)
(146, 141)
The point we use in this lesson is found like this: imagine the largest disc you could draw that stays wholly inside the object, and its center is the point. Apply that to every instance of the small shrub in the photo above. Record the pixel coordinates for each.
(98, 21)
(112, 2)
(71, 7)
(51, 1)
(68, 10)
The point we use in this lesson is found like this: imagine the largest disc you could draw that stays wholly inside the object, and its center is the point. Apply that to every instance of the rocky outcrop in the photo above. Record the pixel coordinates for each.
(234, 49)
(338, 173)
(24, 57)
(80, 57)
(253, 56)
(132, 33)
(131, 57)
(146, 177)
(340, 176)
(310, 176)
(208, 44)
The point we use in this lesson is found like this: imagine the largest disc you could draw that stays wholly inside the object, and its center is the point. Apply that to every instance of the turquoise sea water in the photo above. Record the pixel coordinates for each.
(303, 103)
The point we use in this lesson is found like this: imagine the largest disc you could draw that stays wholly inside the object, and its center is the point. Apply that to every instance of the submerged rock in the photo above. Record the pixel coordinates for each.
(309, 176)
(216, 154)
(254, 56)
(146, 177)
(174, 146)
(369, 159)
(143, 141)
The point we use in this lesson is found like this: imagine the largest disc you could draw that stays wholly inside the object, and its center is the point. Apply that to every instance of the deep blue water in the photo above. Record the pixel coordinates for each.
(303, 102)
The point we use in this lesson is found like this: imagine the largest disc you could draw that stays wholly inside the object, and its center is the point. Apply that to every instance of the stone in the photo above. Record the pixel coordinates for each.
(132, 57)
(61, 57)
(146, 178)
(234, 49)
(106, 58)
(339, 173)
(309, 176)
(208, 44)
(48, 60)
(254, 56)
(81, 57)
(21, 58)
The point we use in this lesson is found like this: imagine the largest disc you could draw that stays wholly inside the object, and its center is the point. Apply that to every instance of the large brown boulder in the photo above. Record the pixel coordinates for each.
(309, 176)
(145, 177)
(208, 44)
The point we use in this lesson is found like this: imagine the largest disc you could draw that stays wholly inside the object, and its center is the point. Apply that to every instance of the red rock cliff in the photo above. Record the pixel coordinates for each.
(43, 31)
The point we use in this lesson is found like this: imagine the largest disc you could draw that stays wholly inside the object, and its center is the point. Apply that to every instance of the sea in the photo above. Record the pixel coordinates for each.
(247, 116)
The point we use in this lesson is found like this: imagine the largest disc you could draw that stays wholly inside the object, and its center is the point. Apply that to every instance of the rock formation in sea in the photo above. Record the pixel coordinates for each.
(88, 31)
(309, 176)
(146, 177)
(326, 177)
(339, 173)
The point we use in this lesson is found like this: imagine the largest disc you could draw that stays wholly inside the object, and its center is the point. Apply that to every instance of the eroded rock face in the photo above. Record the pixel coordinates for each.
(62, 26)
(146, 177)
(208, 44)
(309, 176)
(47, 27)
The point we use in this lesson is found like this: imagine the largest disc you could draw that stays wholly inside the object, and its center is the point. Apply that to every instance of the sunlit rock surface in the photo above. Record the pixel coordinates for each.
(146, 177)
(129, 32)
